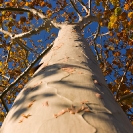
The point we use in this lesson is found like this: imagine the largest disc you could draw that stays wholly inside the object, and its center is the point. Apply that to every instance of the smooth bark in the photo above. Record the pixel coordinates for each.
(69, 85)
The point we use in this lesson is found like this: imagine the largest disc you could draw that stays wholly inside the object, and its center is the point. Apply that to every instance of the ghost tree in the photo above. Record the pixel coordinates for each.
(67, 93)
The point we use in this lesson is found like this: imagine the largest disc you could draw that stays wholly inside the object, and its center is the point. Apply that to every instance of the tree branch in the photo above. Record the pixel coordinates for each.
(14, 9)
(5, 32)
(4, 76)
(95, 46)
(26, 71)
(85, 25)
(34, 11)
(89, 5)
(83, 5)
(44, 26)
(121, 81)
(19, 42)
(125, 97)
(4, 104)
(87, 19)
(16, 40)
(75, 8)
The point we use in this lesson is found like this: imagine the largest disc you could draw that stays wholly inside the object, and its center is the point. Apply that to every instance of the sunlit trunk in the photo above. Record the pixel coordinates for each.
(67, 94)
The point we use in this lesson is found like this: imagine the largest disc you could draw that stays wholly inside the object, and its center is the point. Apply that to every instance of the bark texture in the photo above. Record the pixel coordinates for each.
(68, 94)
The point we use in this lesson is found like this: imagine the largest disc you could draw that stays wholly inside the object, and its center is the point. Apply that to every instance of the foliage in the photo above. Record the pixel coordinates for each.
(113, 44)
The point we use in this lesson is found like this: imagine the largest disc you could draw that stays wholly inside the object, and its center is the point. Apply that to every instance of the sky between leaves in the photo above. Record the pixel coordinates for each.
(111, 39)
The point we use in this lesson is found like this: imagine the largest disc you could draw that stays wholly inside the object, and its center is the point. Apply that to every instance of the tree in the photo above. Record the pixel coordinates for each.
(68, 92)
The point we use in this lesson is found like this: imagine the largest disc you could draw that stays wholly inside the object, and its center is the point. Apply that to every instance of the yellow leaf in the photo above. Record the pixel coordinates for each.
(6, 36)
(0, 63)
(110, 48)
(8, 47)
(130, 15)
(27, 4)
(113, 19)
(42, 3)
(1, 118)
(3, 12)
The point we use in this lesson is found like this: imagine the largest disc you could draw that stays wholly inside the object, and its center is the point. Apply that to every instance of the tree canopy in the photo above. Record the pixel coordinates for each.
(25, 32)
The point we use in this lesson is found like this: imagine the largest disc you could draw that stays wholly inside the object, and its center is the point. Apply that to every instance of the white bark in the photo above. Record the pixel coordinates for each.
(70, 75)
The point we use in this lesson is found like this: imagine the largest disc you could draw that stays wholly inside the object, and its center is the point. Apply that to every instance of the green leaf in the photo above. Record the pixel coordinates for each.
(118, 11)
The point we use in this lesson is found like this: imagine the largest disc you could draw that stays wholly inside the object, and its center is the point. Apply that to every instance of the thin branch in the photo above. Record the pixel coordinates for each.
(127, 106)
(125, 97)
(19, 42)
(5, 32)
(89, 6)
(20, 9)
(26, 71)
(84, 6)
(85, 25)
(4, 104)
(5, 77)
(14, 9)
(75, 8)
(121, 81)
(8, 56)
(95, 46)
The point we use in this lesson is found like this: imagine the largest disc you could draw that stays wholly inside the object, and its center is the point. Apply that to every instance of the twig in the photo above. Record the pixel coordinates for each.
(5, 76)
(19, 42)
(8, 56)
(122, 78)
(104, 34)
(89, 5)
(75, 8)
(95, 47)
(26, 71)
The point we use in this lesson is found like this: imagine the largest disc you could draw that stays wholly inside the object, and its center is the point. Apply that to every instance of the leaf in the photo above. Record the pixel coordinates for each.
(6, 36)
(0, 63)
(110, 48)
(118, 11)
(20, 86)
(49, 13)
(123, 16)
(23, 19)
(113, 19)
(1, 116)
(42, 3)
(126, 6)
(130, 15)
(117, 53)
(27, 3)
(114, 2)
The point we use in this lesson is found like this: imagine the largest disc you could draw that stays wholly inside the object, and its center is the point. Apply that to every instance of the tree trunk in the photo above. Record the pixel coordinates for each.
(67, 94)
